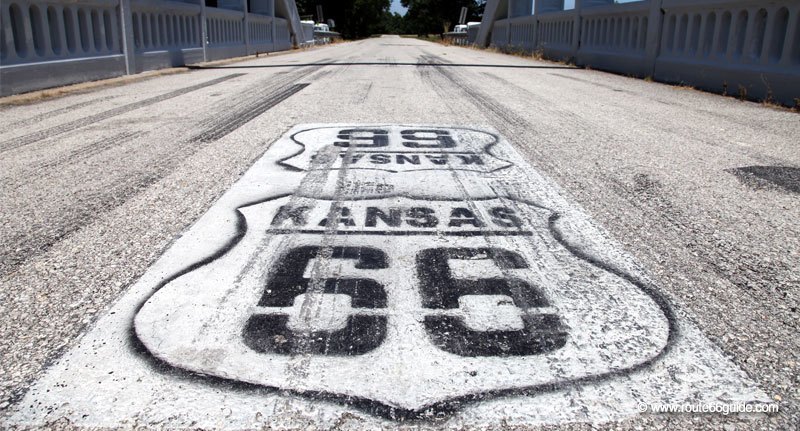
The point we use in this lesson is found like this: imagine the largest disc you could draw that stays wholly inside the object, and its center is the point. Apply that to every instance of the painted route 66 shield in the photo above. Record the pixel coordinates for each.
(402, 303)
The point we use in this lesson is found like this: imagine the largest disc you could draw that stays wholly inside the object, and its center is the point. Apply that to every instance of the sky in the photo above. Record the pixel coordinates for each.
(397, 7)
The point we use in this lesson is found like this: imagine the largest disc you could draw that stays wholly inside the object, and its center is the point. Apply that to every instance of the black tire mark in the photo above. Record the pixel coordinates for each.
(245, 102)
(234, 120)
(76, 124)
(482, 101)
(19, 247)
(55, 112)
(91, 150)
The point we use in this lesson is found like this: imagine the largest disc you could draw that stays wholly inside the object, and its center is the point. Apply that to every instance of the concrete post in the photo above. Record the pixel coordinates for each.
(272, 24)
(246, 32)
(577, 30)
(204, 29)
(128, 45)
(655, 27)
(792, 41)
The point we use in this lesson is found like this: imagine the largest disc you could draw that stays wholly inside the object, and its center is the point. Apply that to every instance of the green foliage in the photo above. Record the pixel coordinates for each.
(439, 16)
(357, 19)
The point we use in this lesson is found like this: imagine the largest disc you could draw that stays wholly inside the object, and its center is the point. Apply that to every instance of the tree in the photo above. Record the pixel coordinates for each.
(394, 23)
(355, 19)
(438, 16)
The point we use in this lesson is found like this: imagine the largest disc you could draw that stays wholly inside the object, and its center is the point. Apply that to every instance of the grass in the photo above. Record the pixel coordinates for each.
(52, 93)
(428, 37)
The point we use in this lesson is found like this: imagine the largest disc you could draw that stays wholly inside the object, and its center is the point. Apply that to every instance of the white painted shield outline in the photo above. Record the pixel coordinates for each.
(498, 162)
(449, 405)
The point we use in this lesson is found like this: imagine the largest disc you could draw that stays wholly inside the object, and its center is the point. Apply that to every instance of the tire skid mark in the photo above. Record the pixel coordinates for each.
(18, 247)
(92, 149)
(299, 366)
(448, 83)
(247, 105)
(30, 138)
(237, 119)
(46, 115)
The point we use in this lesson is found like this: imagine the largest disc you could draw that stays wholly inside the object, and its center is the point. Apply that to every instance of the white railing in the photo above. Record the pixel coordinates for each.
(556, 33)
(620, 28)
(500, 33)
(323, 37)
(160, 25)
(225, 27)
(556, 29)
(455, 38)
(743, 47)
(520, 32)
(308, 33)
(45, 31)
(472, 33)
(740, 32)
(282, 35)
(260, 29)
(45, 43)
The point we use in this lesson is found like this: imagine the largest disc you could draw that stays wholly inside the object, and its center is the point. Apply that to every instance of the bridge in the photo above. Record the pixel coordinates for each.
(394, 232)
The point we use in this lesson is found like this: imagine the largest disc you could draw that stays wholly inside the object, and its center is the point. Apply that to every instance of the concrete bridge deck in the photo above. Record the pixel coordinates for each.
(700, 191)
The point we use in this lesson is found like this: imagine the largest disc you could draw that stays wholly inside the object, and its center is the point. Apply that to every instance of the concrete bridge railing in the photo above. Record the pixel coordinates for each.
(741, 47)
(47, 43)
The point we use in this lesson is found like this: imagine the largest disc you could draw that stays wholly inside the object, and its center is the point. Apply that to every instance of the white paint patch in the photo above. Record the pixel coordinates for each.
(364, 274)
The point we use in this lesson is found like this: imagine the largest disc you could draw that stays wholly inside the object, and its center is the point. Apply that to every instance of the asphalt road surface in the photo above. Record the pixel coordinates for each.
(585, 245)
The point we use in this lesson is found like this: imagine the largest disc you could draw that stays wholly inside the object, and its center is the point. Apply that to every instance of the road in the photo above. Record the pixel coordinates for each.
(700, 192)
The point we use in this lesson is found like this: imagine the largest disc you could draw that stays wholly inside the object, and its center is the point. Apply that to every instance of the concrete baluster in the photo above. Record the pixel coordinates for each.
(46, 38)
(246, 29)
(769, 35)
(10, 47)
(791, 47)
(714, 52)
(540, 7)
(204, 29)
(30, 50)
(126, 18)
(577, 30)
(749, 37)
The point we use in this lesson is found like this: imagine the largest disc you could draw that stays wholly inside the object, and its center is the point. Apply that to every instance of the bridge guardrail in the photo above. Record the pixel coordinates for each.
(747, 47)
(47, 43)
(456, 38)
(260, 32)
(226, 34)
(282, 35)
(166, 34)
(472, 33)
(614, 37)
(322, 37)
(555, 31)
